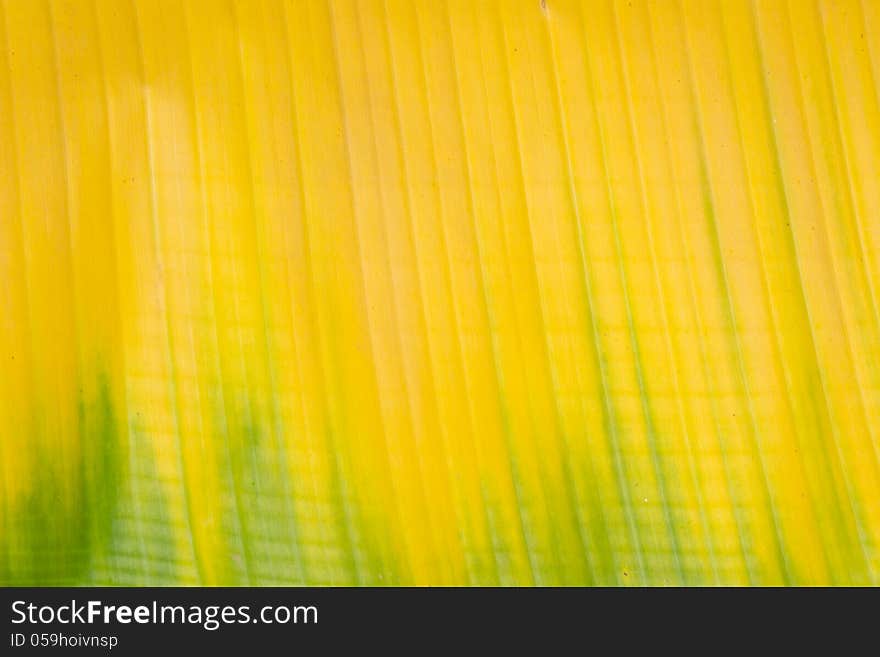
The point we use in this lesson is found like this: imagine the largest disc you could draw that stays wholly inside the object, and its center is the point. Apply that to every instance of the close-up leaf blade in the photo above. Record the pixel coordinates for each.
(417, 292)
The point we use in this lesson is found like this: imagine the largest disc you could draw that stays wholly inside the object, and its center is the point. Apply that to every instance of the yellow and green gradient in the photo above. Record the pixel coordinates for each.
(439, 292)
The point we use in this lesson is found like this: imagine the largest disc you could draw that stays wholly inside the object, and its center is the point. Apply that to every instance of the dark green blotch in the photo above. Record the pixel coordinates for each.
(55, 532)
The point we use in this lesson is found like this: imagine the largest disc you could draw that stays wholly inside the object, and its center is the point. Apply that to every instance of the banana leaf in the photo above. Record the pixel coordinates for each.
(439, 292)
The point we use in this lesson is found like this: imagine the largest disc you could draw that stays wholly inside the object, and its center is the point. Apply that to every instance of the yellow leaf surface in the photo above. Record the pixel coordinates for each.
(439, 292)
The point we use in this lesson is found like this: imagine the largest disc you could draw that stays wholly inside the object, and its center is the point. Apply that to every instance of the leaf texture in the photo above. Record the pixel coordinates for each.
(530, 292)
